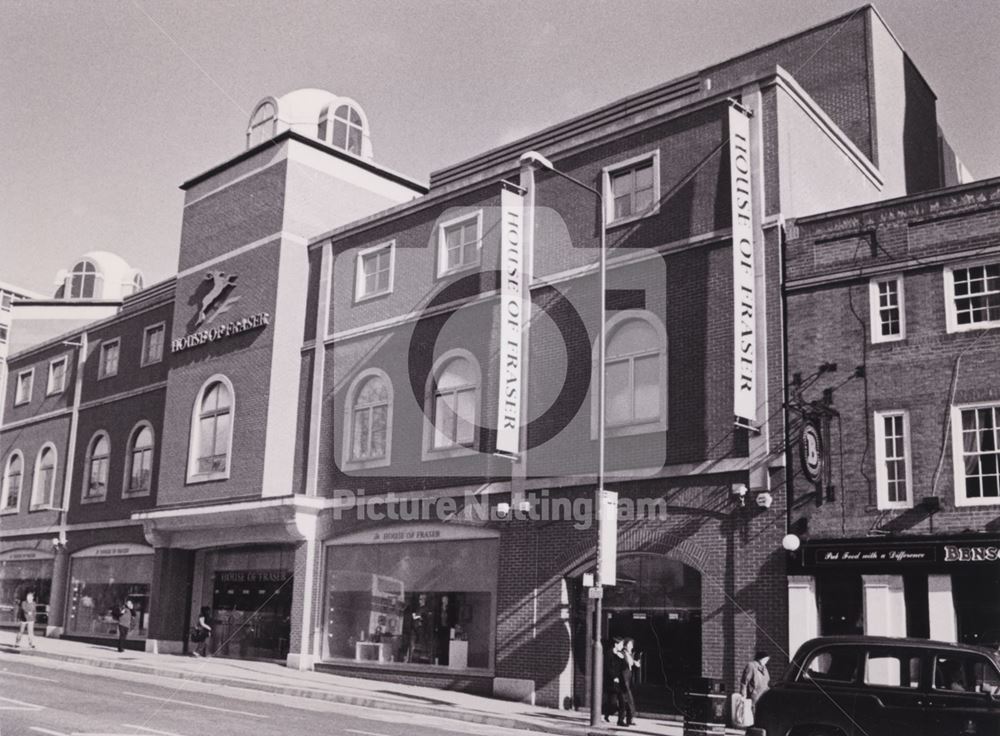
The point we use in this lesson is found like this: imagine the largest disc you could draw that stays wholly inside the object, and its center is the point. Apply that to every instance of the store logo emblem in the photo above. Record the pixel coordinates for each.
(218, 300)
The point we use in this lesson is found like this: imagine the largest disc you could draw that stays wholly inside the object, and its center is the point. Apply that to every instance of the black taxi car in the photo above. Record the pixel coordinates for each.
(876, 686)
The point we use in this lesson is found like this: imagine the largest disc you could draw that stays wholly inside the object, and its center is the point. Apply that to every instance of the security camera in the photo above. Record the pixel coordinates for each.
(764, 500)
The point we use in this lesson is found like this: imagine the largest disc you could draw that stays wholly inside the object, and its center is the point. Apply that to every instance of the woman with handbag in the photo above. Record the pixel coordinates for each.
(201, 633)
(754, 683)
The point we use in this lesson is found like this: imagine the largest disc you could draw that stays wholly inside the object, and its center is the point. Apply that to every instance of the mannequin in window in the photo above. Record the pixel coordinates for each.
(420, 618)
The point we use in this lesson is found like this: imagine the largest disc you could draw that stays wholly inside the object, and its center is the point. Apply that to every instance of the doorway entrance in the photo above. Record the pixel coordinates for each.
(657, 602)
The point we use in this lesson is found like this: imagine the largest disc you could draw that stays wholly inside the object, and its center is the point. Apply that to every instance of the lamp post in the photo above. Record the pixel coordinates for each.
(536, 159)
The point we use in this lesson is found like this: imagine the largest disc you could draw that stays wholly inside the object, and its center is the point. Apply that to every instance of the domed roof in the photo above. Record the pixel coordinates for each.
(98, 274)
(312, 112)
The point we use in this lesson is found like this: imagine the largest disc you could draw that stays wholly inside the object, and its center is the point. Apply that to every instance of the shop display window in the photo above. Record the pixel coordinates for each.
(17, 579)
(99, 586)
(424, 603)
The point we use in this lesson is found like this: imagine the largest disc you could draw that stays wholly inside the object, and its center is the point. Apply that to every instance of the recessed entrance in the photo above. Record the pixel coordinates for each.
(657, 602)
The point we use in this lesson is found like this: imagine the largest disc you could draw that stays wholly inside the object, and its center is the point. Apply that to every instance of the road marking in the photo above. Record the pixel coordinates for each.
(195, 705)
(365, 733)
(8, 673)
(19, 705)
(47, 731)
(151, 730)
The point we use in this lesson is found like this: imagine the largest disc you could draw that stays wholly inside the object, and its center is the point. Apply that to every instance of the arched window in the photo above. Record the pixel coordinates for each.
(348, 129)
(635, 371)
(262, 124)
(139, 463)
(95, 486)
(84, 280)
(368, 427)
(211, 432)
(12, 476)
(454, 401)
(43, 489)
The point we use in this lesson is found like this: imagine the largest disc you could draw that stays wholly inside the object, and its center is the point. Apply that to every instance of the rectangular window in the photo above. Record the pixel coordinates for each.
(108, 365)
(25, 380)
(3, 334)
(888, 315)
(57, 376)
(5, 300)
(973, 296)
(632, 188)
(892, 458)
(454, 418)
(374, 274)
(459, 244)
(975, 433)
(152, 343)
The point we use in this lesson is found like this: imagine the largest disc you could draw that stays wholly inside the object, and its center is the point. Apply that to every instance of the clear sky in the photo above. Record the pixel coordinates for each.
(108, 106)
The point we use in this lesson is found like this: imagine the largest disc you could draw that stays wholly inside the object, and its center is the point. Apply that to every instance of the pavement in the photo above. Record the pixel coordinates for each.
(275, 678)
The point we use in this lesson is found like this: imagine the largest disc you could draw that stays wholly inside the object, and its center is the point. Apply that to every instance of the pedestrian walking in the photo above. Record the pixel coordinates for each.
(609, 700)
(632, 660)
(202, 633)
(756, 679)
(621, 677)
(126, 616)
(26, 614)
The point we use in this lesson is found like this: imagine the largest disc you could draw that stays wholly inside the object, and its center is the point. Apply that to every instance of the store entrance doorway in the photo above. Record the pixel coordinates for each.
(657, 603)
(252, 613)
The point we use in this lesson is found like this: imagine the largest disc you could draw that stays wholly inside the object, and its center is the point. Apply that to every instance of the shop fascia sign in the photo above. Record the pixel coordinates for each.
(414, 533)
(114, 550)
(219, 300)
(25, 554)
(945, 552)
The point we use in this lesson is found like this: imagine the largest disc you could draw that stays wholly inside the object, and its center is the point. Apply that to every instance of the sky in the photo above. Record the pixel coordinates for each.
(110, 105)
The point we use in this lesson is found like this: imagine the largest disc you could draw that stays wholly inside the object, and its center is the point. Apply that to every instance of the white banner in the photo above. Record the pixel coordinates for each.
(744, 337)
(607, 565)
(511, 322)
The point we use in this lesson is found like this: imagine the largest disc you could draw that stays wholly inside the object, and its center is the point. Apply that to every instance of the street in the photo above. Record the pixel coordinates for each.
(46, 698)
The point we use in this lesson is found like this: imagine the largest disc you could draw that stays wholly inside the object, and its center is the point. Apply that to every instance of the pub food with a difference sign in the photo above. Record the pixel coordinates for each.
(744, 328)
(217, 301)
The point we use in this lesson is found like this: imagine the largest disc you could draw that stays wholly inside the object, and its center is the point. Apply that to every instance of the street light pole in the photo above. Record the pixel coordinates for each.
(597, 592)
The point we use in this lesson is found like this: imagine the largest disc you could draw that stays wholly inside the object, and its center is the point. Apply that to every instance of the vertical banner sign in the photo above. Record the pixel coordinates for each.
(511, 321)
(744, 339)
(607, 566)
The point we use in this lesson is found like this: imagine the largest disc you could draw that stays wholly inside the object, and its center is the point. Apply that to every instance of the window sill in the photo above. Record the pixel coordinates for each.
(382, 462)
(889, 340)
(953, 328)
(900, 506)
(42, 507)
(23, 402)
(446, 453)
(55, 393)
(106, 376)
(93, 499)
(361, 299)
(206, 478)
(632, 218)
(965, 503)
(135, 494)
(461, 269)
(151, 362)
(9, 512)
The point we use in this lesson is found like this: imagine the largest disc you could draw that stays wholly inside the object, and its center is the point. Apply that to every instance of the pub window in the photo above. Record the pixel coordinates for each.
(95, 485)
(632, 188)
(44, 485)
(975, 432)
(892, 459)
(12, 477)
(211, 431)
(459, 243)
(887, 310)
(139, 462)
(368, 430)
(453, 404)
(972, 296)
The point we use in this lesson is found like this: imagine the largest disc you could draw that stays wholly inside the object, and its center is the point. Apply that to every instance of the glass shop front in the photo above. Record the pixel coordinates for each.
(102, 579)
(24, 571)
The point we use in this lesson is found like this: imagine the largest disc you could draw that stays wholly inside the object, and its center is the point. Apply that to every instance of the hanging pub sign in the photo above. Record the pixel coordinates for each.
(744, 315)
(512, 308)
(811, 451)
(217, 301)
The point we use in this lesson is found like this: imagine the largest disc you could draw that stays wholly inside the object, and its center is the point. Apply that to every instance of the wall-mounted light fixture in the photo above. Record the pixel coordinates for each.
(764, 500)
(790, 543)
(503, 509)
(740, 492)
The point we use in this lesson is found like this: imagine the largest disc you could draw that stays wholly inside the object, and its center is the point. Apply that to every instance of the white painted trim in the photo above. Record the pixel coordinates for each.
(346, 462)
(49, 390)
(951, 313)
(223, 508)
(192, 476)
(442, 270)
(32, 505)
(277, 237)
(359, 272)
(881, 474)
(30, 373)
(145, 342)
(957, 455)
(316, 404)
(101, 347)
(4, 509)
(49, 531)
(875, 309)
(608, 196)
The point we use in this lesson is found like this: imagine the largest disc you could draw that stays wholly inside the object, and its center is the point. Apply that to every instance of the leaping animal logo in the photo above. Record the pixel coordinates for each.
(221, 285)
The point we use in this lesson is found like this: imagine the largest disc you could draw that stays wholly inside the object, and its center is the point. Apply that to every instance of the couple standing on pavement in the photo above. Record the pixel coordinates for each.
(620, 664)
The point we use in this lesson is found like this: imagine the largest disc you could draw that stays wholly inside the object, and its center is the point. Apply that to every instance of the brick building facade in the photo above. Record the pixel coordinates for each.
(330, 363)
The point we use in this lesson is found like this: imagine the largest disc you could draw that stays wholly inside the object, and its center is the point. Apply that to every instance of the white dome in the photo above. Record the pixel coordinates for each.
(98, 274)
(337, 121)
